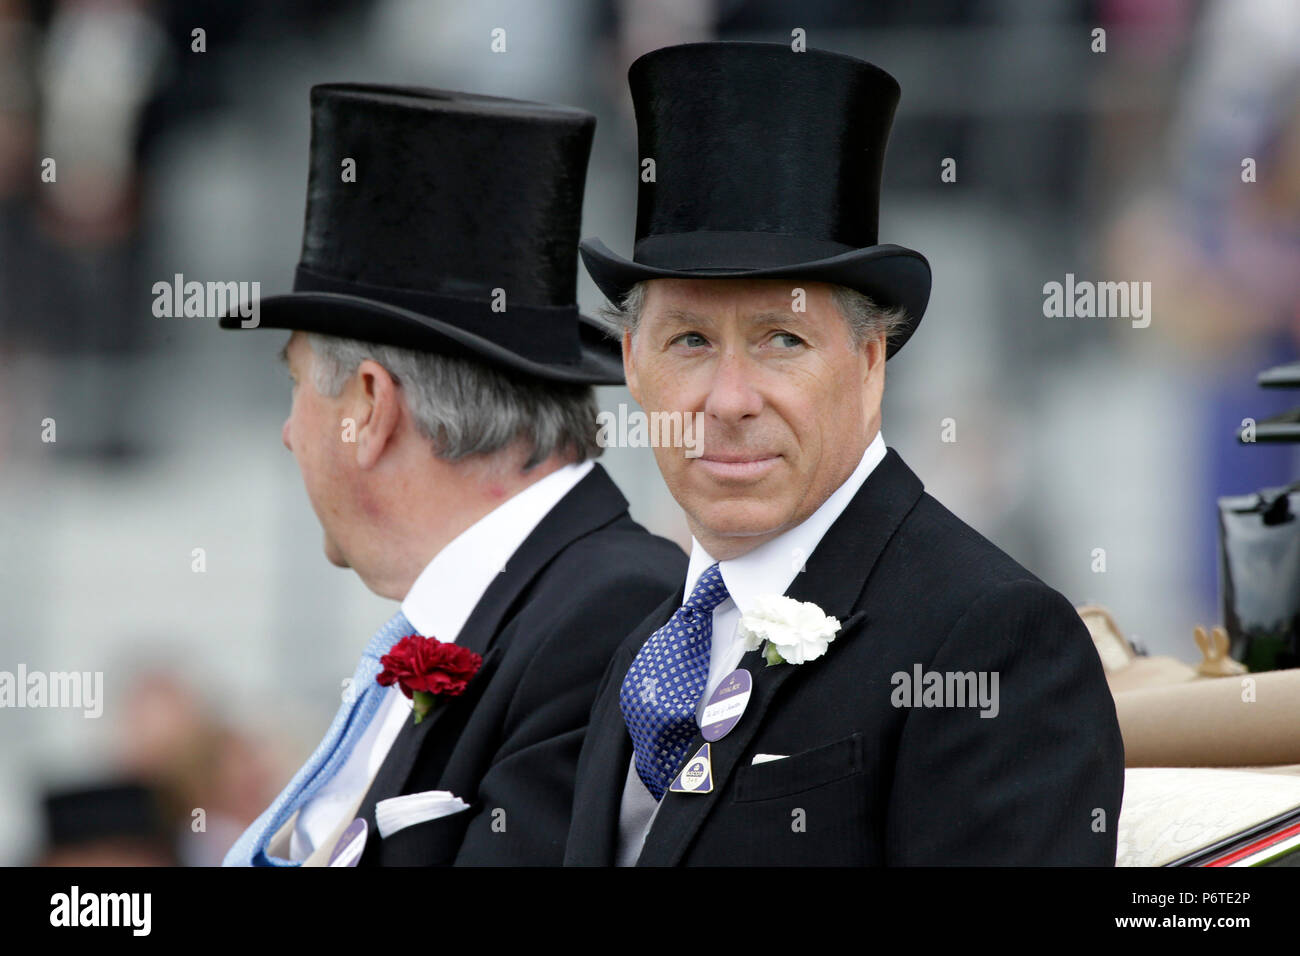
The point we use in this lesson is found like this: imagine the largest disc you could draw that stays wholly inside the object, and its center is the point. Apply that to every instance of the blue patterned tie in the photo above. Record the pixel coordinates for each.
(665, 682)
(349, 724)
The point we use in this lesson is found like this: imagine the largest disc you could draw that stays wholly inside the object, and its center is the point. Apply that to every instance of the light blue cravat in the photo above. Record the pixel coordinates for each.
(349, 724)
(665, 682)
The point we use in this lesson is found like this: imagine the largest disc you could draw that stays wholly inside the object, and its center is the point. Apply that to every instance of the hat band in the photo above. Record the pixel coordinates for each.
(732, 251)
(543, 333)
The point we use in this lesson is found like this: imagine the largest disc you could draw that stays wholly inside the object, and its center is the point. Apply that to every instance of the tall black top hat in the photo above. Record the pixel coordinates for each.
(767, 164)
(83, 815)
(458, 202)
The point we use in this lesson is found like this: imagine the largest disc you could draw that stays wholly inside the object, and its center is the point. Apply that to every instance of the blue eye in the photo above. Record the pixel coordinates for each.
(691, 339)
(794, 340)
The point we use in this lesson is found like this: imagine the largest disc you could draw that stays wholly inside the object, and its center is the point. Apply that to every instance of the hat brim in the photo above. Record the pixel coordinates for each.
(349, 316)
(891, 275)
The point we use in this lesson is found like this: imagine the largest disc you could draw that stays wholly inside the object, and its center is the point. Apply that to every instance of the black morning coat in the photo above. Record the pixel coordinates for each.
(865, 780)
(547, 627)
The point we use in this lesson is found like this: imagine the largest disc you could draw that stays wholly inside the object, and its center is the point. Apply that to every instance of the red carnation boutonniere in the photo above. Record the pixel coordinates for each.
(425, 667)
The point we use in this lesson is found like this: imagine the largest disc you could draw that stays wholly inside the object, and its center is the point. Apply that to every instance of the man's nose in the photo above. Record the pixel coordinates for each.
(284, 435)
(732, 395)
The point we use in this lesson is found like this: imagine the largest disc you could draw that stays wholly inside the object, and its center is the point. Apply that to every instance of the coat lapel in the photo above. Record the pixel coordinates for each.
(591, 504)
(598, 793)
(834, 578)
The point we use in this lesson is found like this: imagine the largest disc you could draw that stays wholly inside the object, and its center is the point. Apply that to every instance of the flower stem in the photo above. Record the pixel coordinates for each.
(422, 702)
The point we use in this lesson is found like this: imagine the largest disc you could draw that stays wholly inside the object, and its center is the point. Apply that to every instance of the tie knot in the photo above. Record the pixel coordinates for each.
(388, 635)
(709, 591)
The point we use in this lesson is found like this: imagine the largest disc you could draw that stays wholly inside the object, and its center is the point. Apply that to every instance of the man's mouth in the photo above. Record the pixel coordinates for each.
(739, 466)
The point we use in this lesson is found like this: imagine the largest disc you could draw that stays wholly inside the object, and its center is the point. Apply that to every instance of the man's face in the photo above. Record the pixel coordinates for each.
(313, 432)
(788, 402)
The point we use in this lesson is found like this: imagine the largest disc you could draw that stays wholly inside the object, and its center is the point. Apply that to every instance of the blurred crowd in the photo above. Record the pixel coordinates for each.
(184, 786)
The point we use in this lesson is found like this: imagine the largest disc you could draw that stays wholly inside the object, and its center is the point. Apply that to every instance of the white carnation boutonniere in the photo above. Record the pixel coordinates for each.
(794, 632)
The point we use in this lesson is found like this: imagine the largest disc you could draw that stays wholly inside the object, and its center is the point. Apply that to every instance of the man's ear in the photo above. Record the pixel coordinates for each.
(629, 370)
(876, 350)
(873, 374)
(378, 410)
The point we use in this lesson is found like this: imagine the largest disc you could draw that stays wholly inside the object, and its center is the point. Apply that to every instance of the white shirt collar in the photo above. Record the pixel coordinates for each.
(447, 590)
(770, 567)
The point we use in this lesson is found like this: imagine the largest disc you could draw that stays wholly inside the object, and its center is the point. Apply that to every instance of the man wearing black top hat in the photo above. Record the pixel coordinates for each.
(848, 674)
(444, 422)
(115, 823)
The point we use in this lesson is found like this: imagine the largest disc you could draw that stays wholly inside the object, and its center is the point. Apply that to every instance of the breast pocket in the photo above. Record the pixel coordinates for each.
(428, 843)
(799, 772)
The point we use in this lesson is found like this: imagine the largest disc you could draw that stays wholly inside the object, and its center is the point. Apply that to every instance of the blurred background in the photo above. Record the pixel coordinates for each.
(1072, 434)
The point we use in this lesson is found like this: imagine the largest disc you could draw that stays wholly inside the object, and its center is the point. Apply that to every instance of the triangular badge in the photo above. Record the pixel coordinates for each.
(696, 776)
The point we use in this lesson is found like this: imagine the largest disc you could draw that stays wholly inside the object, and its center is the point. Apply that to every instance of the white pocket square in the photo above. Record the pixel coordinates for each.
(398, 813)
(766, 758)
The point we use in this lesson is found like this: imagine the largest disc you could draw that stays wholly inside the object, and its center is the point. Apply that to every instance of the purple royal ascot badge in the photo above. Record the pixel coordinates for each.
(726, 705)
(348, 850)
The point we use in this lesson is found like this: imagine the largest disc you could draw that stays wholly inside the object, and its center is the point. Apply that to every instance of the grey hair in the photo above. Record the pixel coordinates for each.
(865, 318)
(467, 408)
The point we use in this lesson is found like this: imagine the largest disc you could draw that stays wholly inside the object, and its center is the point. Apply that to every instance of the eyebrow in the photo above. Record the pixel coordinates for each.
(781, 316)
(284, 353)
(683, 316)
(687, 317)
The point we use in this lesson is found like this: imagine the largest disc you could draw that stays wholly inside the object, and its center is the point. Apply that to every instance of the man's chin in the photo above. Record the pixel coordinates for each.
(740, 524)
(334, 556)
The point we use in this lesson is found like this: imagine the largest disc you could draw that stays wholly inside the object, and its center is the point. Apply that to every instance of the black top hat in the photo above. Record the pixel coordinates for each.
(109, 810)
(767, 165)
(455, 196)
